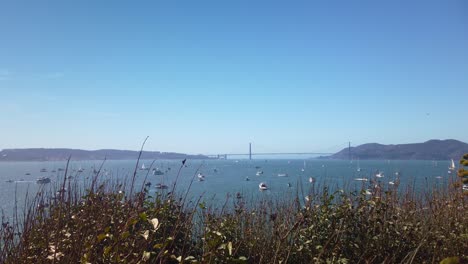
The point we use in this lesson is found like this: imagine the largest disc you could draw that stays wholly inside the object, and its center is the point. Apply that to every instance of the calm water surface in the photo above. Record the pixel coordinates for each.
(223, 177)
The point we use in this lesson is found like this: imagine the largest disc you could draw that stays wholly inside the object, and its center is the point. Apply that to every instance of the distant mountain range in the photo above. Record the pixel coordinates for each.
(56, 154)
(429, 150)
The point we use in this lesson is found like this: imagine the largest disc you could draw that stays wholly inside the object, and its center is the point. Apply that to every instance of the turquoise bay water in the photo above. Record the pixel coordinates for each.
(223, 177)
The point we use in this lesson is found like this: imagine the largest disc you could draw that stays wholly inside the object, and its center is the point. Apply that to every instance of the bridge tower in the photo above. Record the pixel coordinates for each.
(349, 150)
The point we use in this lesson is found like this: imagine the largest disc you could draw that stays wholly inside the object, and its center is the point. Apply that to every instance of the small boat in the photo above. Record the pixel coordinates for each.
(358, 169)
(282, 175)
(360, 179)
(215, 170)
(9, 180)
(157, 171)
(201, 177)
(80, 169)
(43, 170)
(161, 186)
(452, 166)
(465, 187)
(60, 169)
(438, 177)
(143, 167)
(53, 171)
(304, 167)
(27, 173)
(262, 186)
(43, 180)
(257, 167)
(368, 192)
(311, 179)
(289, 184)
(391, 183)
(148, 184)
(238, 196)
(379, 174)
(247, 178)
(259, 173)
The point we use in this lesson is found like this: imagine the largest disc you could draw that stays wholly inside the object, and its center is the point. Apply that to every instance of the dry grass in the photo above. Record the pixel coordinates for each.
(105, 225)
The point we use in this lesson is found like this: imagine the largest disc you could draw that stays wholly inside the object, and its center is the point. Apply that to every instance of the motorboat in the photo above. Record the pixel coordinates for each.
(360, 179)
(161, 186)
(379, 174)
(311, 179)
(282, 175)
(259, 173)
(43, 180)
(262, 186)
(200, 177)
(9, 180)
(43, 170)
(247, 178)
(157, 171)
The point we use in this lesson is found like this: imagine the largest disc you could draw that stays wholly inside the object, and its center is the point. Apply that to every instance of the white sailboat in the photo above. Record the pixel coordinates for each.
(451, 167)
(303, 167)
(358, 167)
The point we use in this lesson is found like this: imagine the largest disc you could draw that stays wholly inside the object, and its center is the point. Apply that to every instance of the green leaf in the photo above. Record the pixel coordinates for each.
(101, 237)
(451, 260)
(143, 216)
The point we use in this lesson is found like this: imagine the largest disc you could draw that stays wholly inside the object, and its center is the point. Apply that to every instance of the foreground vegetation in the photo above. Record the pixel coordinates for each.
(106, 224)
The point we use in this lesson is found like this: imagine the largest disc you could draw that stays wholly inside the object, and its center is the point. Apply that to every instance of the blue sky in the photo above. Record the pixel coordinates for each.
(211, 76)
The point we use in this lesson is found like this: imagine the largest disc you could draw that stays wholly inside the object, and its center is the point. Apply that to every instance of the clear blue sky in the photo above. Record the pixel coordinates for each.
(211, 76)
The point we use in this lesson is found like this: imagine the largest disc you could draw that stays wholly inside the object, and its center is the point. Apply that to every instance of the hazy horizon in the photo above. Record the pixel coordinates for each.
(210, 77)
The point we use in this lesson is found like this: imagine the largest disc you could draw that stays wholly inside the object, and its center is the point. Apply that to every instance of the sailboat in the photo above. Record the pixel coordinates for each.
(143, 167)
(451, 167)
(358, 167)
(303, 167)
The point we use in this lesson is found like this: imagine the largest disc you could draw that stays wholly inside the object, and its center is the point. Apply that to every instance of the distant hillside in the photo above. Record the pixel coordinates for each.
(429, 150)
(43, 154)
